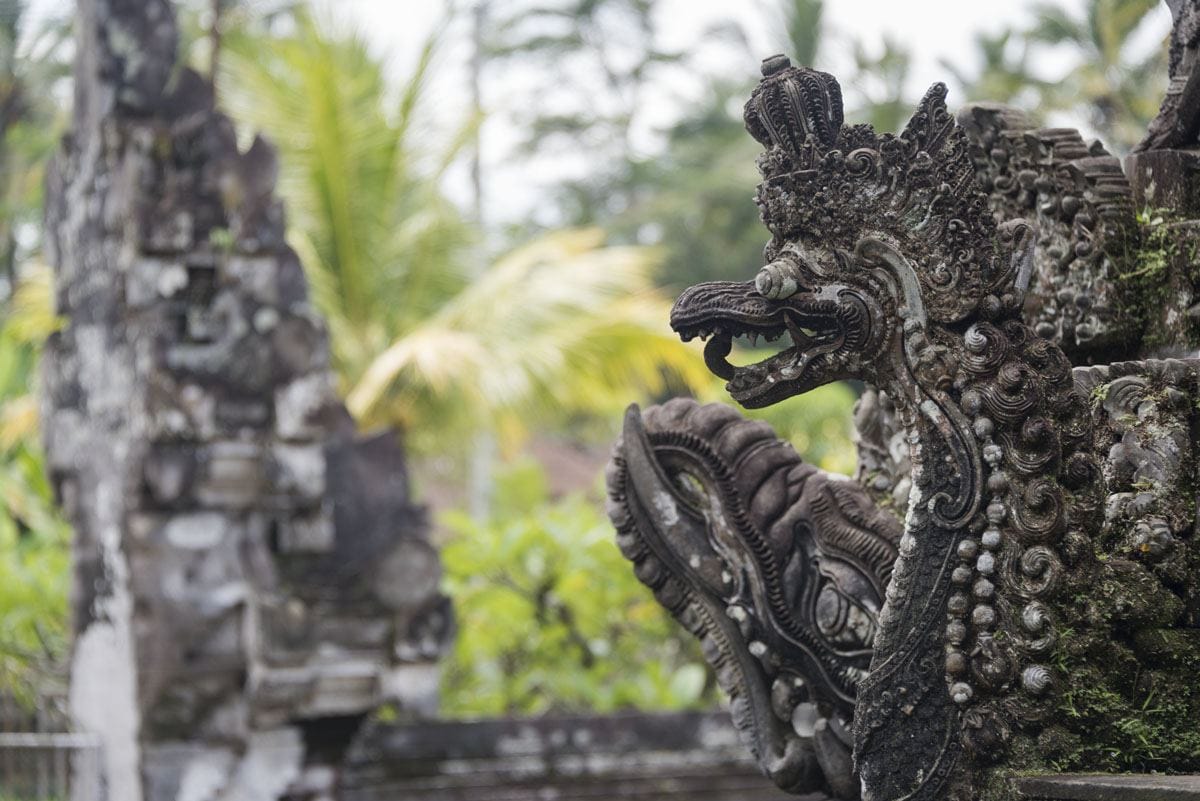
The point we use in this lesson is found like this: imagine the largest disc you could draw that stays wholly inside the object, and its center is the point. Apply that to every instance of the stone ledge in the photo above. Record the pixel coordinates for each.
(633, 756)
(1100, 787)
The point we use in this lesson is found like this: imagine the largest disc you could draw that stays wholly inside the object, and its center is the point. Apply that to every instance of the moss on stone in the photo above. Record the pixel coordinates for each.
(1164, 276)
(1131, 702)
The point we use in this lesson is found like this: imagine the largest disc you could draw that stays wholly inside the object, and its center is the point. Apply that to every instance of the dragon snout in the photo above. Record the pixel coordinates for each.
(710, 299)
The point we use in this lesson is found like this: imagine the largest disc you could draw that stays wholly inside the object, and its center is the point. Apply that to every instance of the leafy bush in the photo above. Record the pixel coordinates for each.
(34, 538)
(551, 617)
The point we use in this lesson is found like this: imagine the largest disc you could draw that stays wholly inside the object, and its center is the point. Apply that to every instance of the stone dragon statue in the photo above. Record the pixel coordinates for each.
(1039, 605)
(778, 567)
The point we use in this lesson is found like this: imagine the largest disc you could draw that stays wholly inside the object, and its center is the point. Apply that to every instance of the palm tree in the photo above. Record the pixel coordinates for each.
(559, 325)
(1003, 75)
(381, 244)
(427, 332)
(800, 27)
(1113, 83)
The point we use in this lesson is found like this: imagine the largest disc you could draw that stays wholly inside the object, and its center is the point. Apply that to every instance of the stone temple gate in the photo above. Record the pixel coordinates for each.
(251, 579)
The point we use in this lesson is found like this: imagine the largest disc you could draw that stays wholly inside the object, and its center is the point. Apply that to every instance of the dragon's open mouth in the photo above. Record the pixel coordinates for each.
(813, 327)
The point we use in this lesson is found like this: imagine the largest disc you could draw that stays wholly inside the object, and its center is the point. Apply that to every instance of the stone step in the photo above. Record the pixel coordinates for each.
(1107, 787)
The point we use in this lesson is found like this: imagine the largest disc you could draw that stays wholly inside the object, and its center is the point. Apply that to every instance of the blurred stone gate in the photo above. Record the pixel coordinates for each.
(251, 579)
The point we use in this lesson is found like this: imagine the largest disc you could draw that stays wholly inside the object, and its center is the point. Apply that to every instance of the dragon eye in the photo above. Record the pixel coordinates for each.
(841, 620)
(689, 486)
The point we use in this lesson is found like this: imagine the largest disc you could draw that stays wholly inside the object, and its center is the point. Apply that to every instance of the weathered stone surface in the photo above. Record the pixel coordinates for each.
(698, 495)
(1166, 179)
(1110, 788)
(1047, 582)
(1082, 211)
(237, 542)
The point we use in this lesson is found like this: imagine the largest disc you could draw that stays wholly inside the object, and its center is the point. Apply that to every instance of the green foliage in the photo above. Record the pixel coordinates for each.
(551, 617)
(1152, 729)
(558, 328)
(34, 539)
(1161, 271)
(818, 423)
(1157, 251)
(1107, 79)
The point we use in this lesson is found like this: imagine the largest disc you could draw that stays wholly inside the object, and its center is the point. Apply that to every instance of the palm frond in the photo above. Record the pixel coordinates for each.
(562, 323)
(31, 317)
(381, 245)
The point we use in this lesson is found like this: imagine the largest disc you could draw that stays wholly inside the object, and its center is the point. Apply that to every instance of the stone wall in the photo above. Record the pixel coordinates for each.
(250, 578)
(654, 757)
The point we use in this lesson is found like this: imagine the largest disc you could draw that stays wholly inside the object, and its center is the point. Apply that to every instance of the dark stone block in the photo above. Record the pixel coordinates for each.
(1166, 179)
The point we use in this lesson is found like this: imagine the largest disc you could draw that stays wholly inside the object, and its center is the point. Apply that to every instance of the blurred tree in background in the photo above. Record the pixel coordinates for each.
(1002, 75)
(593, 61)
(1112, 83)
(453, 329)
(32, 63)
(1117, 88)
(429, 333)
(878, 87)
(34, 539)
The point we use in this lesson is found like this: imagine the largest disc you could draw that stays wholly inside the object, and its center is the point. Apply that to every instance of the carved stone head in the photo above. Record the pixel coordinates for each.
(868, 230)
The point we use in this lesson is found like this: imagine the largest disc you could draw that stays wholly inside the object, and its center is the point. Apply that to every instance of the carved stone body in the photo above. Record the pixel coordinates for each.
(1029, 623)
(777, 566)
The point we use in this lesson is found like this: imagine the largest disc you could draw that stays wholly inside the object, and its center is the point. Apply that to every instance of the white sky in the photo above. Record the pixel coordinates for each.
(936, 30)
